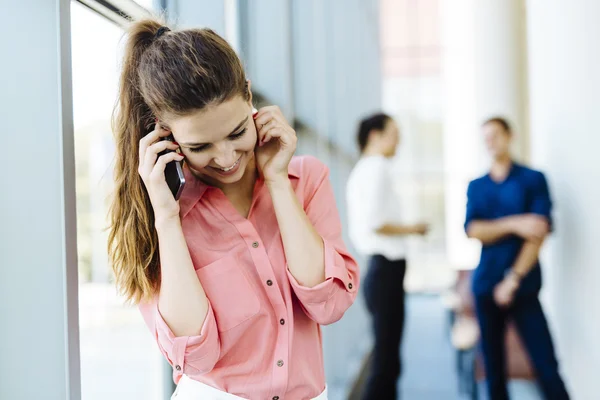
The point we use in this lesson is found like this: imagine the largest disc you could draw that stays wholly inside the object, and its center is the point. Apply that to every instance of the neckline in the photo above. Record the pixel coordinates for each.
(226, 207)
(508, 175)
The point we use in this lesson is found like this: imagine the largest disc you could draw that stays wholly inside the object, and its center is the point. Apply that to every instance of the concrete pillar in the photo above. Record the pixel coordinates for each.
(39, 339)
(484, 74)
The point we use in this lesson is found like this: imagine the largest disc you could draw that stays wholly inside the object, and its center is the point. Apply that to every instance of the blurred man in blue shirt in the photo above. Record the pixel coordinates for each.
(509, 211)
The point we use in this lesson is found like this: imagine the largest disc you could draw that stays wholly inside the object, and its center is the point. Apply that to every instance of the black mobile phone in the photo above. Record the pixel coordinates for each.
(174, 173)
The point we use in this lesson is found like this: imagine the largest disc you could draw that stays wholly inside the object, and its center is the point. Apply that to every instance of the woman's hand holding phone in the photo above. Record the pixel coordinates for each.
(276, 144)
(152, 170)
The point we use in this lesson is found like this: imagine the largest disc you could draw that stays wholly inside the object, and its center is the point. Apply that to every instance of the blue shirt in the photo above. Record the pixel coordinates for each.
(523, 191)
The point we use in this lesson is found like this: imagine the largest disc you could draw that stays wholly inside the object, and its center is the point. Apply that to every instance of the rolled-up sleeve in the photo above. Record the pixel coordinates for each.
(327, 302)
(541, 202)
(192, 355)
(471, 210)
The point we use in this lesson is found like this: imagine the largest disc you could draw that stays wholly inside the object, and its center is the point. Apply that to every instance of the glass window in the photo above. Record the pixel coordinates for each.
(119, 358)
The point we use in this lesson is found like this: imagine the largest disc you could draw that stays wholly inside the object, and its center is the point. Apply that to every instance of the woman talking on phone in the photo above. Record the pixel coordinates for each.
(234, 278)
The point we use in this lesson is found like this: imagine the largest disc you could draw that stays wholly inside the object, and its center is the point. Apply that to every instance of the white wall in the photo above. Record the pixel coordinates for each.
(565, 141)
(464, 153)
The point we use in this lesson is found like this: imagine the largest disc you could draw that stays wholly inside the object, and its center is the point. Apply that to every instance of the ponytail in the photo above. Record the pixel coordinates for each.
(132, 241)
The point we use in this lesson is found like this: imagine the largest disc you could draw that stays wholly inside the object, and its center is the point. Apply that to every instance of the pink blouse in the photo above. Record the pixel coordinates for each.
(261, 338)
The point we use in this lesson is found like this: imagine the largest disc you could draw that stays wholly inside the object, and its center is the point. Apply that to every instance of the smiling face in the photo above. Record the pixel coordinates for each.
(218, 141)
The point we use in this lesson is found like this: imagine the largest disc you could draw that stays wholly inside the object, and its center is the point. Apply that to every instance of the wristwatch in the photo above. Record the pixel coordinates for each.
(514, 275)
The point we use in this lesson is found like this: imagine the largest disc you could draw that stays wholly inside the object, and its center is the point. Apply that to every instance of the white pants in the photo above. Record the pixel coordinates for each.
(189, 389)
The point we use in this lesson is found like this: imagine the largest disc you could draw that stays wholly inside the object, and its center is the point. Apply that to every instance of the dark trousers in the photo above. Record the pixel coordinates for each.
(528, 316)
(384, 294)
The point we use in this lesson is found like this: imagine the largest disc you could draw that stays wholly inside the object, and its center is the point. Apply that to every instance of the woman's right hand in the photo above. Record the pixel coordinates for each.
(152, 170)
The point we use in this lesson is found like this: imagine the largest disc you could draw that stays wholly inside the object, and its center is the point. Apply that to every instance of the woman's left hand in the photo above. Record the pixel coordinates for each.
(276, 144)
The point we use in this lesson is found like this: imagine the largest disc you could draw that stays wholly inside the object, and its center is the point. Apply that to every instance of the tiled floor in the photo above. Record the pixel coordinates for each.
(428, 357)
(120, 360)
(429, 360)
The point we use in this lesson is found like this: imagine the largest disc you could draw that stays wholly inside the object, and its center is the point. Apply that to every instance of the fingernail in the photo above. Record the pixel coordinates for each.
(255, 115)
(174, 142)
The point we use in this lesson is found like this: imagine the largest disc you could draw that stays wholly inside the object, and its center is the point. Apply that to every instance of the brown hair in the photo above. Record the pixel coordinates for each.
(503, 122)
(164, 74)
